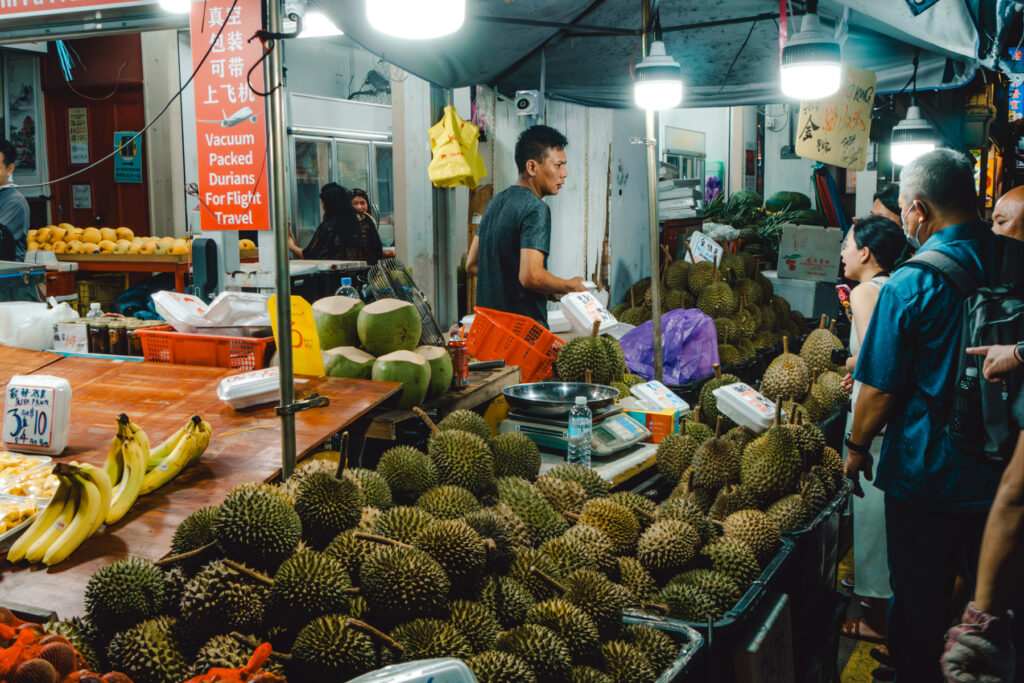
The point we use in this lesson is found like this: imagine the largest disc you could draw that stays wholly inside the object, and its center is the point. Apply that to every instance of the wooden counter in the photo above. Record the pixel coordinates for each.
(15, 361)
(159, 397)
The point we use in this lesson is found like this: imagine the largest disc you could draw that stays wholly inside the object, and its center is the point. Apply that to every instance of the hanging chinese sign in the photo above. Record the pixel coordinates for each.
(230, 116)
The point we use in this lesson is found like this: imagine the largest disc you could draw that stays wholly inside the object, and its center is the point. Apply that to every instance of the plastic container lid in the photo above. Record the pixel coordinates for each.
(346, 281)
(94, 305)
(745, 406)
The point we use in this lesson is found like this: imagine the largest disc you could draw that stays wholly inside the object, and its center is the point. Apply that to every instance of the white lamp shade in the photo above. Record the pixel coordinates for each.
(416, 19)
(904, 152)
(811, 81)
(658, 95)
(176, 6)
(316, 24)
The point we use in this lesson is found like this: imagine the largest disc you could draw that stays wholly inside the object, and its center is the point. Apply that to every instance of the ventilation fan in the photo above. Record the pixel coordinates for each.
(776, 117)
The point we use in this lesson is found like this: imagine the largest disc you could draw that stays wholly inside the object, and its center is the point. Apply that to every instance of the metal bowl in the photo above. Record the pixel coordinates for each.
(556, 399)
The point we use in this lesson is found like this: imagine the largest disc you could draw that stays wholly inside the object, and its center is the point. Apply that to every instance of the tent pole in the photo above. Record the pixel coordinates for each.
(279, 222)
(651, 141)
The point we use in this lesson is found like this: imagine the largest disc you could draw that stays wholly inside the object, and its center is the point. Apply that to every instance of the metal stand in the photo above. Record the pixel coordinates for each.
(651, 133)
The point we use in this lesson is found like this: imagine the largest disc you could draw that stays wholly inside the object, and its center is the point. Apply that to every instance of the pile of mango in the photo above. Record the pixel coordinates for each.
(68, 239)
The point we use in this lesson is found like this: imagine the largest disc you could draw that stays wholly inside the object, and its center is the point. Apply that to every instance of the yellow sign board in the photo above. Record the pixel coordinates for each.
(306, 356)
(835, 129)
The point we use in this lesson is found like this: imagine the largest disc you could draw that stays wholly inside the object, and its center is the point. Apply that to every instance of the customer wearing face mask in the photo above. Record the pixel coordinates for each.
(936, 497)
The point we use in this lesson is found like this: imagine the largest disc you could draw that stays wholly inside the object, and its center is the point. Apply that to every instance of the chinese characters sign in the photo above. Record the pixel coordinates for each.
(230, 117)
(28, 418)
(24, 8)
(835, 129)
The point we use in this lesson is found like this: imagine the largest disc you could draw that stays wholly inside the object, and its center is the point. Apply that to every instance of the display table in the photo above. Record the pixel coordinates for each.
(484, 386)
(179, 264)
(246, 446)
(616, 470)
(14, 361)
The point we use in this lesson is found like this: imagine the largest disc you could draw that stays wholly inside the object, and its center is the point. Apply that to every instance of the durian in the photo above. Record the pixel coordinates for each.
(615, 520)
(122, 594)
(220, 597)
(818, 347)
(327, 505)
(496, 537)
(457, 548)
(256, 528)
(476, 623)
(462, 459)
(500, 667)
(626, 663)
(331, 648)
(571, 623)
(408, 472)
(716, 462)
(515, 455)
(430, 639)
(564, 496)
(719, 587)
(731, 558)
(448, 502)
(709, 403)
(403, 523)
(591, 481)
(542, 521)
(656, 645)
(149, 652)
(637, 579)
(507, 599)
(667, 546)
(307, 585)
(466, 421)
(786, 377)
(193, 533)
(541, 648)
(674, 454)
(753, 528)
(401, 583)
(373, 486)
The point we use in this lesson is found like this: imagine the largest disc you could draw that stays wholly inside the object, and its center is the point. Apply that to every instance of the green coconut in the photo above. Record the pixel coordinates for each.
(441, 370)
(388, 325)
(335, 318)
(349, 362)
(411, 369)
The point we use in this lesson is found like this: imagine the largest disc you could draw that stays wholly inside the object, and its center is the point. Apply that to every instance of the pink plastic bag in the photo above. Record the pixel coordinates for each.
(689, 345)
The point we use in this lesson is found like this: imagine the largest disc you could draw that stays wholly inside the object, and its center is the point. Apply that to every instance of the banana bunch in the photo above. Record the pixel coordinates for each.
(76, 511)
(126, 466)
(174, 454)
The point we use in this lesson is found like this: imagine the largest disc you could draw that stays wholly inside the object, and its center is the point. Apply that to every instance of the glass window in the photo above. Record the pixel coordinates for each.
(383, 194)
(353, 165)
(312, 172)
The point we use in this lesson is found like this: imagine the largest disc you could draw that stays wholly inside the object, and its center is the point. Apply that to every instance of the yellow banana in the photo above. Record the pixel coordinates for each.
(114, 465)
(181, 456)
(102, 482)
(140, 435)
(81, 526)
(127, 490)
(43, 522)
(159, 453)
(203, 432)
(43, 542)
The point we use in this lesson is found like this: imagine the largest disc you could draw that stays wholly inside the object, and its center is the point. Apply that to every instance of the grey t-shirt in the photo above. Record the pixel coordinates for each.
(514, 219)
(14, 215)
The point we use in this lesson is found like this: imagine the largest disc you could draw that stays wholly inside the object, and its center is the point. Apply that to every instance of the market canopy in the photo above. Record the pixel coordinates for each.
(728, 48)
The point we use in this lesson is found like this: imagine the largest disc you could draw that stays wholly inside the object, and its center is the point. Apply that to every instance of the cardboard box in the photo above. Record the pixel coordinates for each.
(809, 252)
(660, 424)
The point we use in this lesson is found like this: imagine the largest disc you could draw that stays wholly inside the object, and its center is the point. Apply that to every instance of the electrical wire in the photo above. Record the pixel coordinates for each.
(728, 73)
(163, 111)
(117, 86)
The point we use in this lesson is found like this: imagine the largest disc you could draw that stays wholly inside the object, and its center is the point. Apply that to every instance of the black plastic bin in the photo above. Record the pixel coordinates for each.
(689, 639)
(690, 392)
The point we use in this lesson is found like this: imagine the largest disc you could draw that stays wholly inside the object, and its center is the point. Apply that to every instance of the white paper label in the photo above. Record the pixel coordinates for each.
(28, 415)
(703, 248)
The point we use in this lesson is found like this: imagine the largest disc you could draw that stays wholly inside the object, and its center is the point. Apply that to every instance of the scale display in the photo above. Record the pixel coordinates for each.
(610, 435)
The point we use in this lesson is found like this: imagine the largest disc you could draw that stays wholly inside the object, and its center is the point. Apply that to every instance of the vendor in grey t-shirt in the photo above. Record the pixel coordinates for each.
(13, 207)
(510, 251)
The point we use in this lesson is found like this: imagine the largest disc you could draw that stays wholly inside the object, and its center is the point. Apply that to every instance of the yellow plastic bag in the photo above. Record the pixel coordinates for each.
(456, 159)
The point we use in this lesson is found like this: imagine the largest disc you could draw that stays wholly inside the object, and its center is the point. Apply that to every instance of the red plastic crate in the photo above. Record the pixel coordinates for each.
(162, 344)
(515, 339)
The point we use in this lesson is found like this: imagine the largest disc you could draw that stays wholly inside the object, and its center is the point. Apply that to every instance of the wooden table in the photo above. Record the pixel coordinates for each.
(14, 361)
(179, 264)
(246, 446)
(484, 386)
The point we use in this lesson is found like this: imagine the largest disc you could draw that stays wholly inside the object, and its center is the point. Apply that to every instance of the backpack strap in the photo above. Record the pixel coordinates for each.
(948, 267)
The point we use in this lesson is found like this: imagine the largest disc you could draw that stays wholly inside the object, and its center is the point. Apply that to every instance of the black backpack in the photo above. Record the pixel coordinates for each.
(989, 315)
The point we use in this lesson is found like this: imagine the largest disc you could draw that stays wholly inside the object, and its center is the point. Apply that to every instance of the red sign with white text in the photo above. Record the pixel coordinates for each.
(231, 127)
(29, 7)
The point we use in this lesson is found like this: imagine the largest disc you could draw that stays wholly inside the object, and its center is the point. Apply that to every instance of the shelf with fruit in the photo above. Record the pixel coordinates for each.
(70, 240)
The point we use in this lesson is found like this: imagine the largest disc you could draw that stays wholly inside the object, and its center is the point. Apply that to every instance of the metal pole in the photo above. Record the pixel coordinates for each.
(651, 141)
(279, 222)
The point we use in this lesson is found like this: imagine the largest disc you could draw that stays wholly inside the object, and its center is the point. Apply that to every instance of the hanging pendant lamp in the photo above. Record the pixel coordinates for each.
(912, 137)
(659, 82)
(811, 68)
(416, 19)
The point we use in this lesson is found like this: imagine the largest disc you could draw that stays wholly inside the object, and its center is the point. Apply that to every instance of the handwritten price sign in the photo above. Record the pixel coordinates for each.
(835, 130)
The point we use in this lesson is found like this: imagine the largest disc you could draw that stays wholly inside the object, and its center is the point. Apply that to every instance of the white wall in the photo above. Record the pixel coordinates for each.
(327, 67)
(712, 121)
(792, 175)
(163, 141)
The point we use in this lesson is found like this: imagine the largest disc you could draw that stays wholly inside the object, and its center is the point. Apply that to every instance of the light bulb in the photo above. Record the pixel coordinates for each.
(416, 19)
(903, 153)
(176, 6)
(658, 83)
(810, 81)
(912, 137)
(811, 68)
(316, 24)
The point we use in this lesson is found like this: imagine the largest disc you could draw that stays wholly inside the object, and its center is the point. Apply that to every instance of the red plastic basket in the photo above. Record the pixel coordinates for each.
(162, 344)
(515, 339)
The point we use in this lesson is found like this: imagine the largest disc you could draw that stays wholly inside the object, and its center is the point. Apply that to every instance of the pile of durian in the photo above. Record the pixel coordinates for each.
(462, 551)
(748, 315)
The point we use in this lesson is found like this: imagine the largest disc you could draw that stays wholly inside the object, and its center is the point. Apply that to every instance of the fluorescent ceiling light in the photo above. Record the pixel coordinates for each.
(316, 24)
(912, 137)
(811, 68)
(176, 6)
(416, 19)
(659, 82)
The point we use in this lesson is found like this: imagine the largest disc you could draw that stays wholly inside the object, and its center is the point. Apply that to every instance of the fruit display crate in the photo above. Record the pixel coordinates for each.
(721, 637)
(692, 641)
(515, 339)
(816, 640)
(811, 574)
(162, 344)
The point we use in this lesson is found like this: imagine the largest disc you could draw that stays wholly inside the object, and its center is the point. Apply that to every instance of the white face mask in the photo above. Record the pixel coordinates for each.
(912, 239)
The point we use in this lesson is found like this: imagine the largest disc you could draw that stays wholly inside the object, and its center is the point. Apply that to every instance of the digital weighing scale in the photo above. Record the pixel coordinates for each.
(614, 431)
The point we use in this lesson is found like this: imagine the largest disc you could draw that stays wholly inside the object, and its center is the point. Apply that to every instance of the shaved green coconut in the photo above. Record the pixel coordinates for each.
(441, 370)
(348, 361)
(335, 318)
(411, 369)
(389, 325)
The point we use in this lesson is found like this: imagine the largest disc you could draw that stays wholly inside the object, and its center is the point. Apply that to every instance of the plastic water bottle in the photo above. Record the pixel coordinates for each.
(347, 289)
(581, 429)
(94, 310)
(966, 425)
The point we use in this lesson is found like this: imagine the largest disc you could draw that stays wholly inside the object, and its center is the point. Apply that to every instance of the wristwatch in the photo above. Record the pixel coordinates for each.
(856, 447)
(1019, 352)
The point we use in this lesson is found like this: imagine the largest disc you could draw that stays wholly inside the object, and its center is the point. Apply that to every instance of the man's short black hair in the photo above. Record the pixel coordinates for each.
(534, 143)
(890, 197)
(9, 151)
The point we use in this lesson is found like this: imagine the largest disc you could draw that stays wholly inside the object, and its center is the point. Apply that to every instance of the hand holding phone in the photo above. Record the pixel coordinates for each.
(843, 292)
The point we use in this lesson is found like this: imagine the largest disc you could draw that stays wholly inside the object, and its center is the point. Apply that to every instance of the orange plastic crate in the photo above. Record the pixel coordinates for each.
(162, 344)
(515, 339)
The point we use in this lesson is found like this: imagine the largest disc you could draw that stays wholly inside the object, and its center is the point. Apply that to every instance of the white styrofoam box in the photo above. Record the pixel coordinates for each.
(656, 396)
(811, 299)
(447, 670)
(250, 388)
(582, 310)
(70, 337)
(37, 412)
(745, 406)
(810, 252)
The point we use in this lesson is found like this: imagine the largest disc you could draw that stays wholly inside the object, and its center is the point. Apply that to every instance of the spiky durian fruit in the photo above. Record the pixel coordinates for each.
(674, 455)
(466, 421)
(408, 472)
(515, 455)
(759, 532)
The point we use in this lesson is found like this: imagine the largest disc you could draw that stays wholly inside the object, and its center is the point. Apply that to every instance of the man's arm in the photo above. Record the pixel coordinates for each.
(473, 256)
(534, 277)
(873, 411)
(1002, 547)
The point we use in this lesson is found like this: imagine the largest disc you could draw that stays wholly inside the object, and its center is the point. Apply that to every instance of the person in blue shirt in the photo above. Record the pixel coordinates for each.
(936, 497)
(14, 213)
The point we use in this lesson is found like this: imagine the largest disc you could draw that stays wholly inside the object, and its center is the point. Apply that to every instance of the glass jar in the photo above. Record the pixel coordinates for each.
(134, 340)
(118, 334)
(99, 336)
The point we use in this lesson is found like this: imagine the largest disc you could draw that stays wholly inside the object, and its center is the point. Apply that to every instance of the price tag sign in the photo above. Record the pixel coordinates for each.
(28, 416)
(703, 248)
(306, 356)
